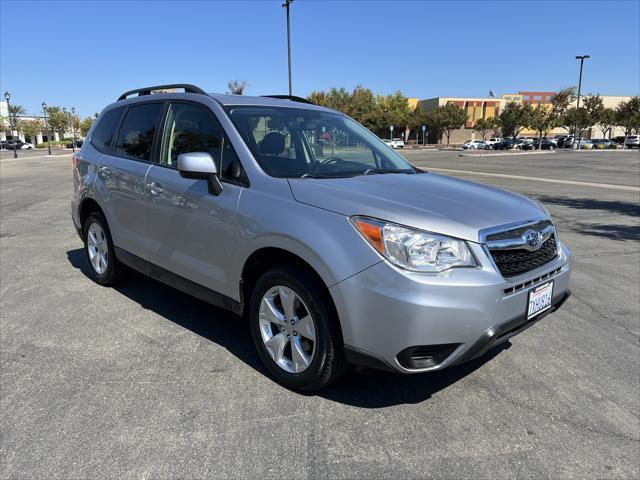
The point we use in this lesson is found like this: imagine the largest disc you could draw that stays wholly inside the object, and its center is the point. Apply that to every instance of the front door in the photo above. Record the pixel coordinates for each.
(191, 232)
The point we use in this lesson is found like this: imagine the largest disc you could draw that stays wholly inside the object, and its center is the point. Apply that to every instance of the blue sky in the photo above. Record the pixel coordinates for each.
(85, 53)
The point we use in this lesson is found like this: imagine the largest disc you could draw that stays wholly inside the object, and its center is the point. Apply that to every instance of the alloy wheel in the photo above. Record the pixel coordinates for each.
(97, 248)
(287, 329)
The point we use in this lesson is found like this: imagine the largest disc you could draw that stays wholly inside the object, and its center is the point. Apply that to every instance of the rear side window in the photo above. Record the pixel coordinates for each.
(135, 136)
(105, 130)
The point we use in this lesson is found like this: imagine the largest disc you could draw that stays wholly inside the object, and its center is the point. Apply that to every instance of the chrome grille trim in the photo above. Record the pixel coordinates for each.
(518, 248)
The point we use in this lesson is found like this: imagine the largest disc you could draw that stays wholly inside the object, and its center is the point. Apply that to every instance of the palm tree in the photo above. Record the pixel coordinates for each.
(15, 110)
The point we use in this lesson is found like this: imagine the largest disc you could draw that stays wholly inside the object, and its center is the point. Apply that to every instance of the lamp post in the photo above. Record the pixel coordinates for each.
(576, 133)
(7, 96)
(73, 129)
(46, 127)
(286, 5)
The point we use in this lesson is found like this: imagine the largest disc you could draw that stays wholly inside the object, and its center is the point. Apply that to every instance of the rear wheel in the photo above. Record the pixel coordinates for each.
(295, 330)
(104, 267)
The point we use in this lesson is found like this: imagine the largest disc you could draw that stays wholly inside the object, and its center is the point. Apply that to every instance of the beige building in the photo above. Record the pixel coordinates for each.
(489, 107)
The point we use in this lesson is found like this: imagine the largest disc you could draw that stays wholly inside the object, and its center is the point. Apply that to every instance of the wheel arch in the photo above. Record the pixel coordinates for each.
(266, 258)
(87, 207)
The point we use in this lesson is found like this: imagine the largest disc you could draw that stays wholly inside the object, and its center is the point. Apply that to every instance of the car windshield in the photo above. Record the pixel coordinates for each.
(297, 142)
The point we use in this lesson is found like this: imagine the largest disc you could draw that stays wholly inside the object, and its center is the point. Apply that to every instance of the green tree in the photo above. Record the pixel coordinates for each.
(514, 118)
(30, 128)
(576, 120)
(58, 120)
(594, 108)
(15, 111)
(606, 121)
(543, 118)
(85, 125)
(484, 126)
(628, 117)
(447, 118)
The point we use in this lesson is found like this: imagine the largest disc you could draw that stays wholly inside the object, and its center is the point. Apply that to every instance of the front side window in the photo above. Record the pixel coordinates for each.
(135, 136)
(193, 128)
(105, 129)
(300, 142)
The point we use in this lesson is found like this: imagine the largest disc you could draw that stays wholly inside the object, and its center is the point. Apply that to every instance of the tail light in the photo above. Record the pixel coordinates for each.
(75, 160)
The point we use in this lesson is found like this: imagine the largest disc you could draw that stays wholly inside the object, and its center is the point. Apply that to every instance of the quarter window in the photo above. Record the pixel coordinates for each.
(193, 128)
(105, 130)
(135, 136)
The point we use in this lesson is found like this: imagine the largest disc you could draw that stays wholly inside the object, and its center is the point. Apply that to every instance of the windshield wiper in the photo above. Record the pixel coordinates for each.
(373, 171)
(322, 175)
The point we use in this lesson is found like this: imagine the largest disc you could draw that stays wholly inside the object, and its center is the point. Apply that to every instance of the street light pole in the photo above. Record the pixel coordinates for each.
(576, 133)
(286, 5)
(7, 96)
(46, 126)
(73, 130)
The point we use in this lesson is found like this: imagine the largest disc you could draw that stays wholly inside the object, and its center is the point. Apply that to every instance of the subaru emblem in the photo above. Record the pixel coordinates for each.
(532, 238)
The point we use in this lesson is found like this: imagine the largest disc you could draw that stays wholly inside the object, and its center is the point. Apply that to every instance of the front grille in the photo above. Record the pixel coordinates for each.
(517, 261)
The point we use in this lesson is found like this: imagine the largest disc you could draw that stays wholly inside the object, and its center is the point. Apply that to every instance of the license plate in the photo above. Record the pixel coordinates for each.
(539, 299)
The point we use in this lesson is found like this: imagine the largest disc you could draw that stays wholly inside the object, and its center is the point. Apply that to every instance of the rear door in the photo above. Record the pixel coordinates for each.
(191, 232)
(123, 173)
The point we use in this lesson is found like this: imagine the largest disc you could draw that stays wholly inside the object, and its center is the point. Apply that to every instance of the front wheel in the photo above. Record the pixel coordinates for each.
(295, 329)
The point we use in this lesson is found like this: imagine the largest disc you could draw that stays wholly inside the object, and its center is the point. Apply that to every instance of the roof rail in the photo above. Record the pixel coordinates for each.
(188, 88)
(293, 98)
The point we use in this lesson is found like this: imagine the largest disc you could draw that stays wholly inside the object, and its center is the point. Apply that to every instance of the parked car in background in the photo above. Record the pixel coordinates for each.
(546, 145)
(475, 145)
(619, 140)
(492, 142)
(505, 144)
(398, 142)
(524, 143)
(78, 144)
(330, 259)
(27, 146)
(584, 144)
(13, 144)
(633, 141)
(603, 143)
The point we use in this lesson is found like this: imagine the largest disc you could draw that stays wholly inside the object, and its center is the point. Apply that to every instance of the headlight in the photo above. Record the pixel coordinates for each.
(414, 249)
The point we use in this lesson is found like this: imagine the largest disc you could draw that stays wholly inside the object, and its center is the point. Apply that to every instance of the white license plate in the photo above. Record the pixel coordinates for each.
(539, 299)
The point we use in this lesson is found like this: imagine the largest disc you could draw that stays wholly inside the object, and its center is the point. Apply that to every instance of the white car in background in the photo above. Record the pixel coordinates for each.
(27, 146)
(399, 143)
(475, 145)
(492, 142)
(395, 143)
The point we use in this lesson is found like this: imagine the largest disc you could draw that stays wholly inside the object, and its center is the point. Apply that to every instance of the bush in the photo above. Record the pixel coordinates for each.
(53, 143)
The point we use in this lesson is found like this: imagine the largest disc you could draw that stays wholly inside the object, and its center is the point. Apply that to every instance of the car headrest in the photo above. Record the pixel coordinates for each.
(272, 143)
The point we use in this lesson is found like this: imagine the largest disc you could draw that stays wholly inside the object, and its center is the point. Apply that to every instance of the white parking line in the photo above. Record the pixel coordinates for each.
(538, 179)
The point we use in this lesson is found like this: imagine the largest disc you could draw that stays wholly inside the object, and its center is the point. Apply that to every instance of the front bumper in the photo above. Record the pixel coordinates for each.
(385, 311)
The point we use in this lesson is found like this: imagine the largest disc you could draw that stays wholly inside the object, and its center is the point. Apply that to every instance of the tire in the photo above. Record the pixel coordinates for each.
(109, 271)
(325, 361)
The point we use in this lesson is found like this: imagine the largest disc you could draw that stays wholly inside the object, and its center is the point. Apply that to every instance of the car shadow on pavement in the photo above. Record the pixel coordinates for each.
(611, 206)
(370, 389)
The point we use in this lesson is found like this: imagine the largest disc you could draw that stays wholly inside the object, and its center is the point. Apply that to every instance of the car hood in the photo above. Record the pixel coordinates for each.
(428, 201)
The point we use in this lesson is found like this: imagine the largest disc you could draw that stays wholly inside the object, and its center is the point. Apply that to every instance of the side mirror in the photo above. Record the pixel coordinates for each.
(200, 165)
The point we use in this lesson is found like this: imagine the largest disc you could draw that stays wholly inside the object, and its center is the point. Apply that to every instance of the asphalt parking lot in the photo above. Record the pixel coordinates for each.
(143, 381)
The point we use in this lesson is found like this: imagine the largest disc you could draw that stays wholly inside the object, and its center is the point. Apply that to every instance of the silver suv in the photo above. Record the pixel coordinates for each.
(335, 248)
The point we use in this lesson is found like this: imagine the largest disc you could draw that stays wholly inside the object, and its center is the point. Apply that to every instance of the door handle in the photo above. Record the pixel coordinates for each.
(155, 188)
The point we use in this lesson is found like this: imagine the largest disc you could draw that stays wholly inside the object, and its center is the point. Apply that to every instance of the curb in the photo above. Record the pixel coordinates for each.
(533, 152)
